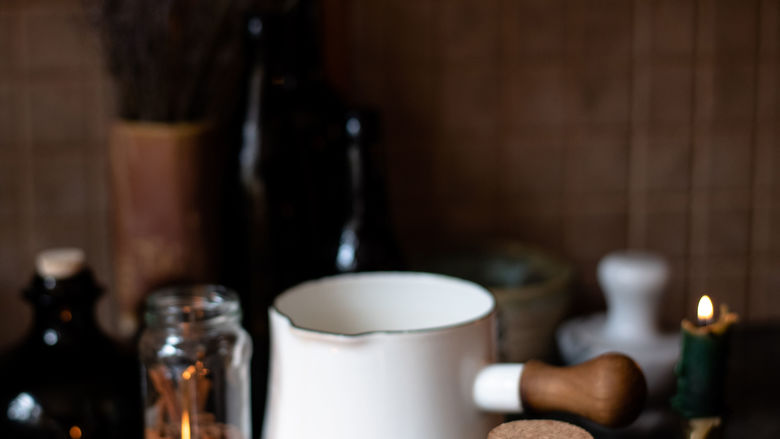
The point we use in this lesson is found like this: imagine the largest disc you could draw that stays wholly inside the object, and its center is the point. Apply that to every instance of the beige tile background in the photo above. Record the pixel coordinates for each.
(581, 126)
(585, 126)
(54, 109)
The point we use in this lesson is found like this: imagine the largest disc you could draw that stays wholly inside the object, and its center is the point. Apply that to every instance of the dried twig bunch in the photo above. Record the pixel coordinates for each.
(184, 394)
(172, 60)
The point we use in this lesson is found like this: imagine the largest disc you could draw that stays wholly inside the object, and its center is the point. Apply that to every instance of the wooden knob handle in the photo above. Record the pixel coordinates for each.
(609, 389)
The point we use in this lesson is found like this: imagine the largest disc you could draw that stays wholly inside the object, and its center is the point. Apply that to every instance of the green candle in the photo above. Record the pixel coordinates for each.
(701, 370)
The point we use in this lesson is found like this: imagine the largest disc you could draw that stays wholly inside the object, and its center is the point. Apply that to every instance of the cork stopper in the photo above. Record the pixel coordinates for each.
(538, 429)
(60, 263)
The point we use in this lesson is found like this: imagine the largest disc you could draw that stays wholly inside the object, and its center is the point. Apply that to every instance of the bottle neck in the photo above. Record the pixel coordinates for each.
(64, 309)
(366, 241)
(290, 44)
(357, 179)
(368, 197)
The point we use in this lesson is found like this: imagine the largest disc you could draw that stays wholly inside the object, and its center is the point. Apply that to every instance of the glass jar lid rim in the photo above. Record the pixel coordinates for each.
(191, 304)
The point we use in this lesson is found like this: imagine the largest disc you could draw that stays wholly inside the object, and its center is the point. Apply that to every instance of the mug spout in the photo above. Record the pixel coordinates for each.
(497, 388)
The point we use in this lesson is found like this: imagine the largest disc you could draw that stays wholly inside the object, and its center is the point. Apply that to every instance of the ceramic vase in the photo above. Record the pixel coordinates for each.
(165, 182)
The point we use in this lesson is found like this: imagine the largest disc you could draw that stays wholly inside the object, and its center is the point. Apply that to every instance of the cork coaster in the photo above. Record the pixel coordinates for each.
(538, 429)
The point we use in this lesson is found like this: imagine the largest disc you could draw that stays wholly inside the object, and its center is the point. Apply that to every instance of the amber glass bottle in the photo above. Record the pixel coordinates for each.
(67, 379)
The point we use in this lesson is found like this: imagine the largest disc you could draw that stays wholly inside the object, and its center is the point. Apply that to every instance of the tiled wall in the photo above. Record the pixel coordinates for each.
(579, 126)
(54, 108)
(587, 126)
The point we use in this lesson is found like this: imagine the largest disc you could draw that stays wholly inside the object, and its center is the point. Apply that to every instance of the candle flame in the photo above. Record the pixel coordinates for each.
(188, 373)
(185, 425)
(705, 311)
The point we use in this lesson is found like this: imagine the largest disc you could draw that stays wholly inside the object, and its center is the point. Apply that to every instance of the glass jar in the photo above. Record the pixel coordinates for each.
(195, 357)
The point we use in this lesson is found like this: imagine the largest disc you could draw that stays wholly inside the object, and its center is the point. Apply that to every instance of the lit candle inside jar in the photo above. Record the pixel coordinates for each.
(185, 425)
(701, 370)
(188, 401)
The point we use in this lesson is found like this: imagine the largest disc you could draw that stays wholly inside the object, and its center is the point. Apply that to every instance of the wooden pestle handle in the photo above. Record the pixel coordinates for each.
(609, 389)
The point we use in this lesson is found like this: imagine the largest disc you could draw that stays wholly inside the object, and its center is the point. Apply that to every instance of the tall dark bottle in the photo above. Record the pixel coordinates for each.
(309, 200)
(67, 379)
(301, 148)
(290, 143)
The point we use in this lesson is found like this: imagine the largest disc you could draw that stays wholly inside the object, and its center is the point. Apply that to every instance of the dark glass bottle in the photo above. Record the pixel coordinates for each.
(67, 379)
(304, 194)
(302, 146)
(366, 241)
(290, 138)
(254, 291)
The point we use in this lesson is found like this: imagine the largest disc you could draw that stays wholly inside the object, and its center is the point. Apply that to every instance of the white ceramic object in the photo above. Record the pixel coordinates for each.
(633, 284)
(59, 263)
(386, 356)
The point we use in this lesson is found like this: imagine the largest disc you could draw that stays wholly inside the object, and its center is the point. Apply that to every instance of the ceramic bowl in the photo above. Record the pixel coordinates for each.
(532, 290)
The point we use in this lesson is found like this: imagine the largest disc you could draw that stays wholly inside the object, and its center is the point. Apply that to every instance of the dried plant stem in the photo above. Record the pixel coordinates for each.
(172, 60)
(164, 387)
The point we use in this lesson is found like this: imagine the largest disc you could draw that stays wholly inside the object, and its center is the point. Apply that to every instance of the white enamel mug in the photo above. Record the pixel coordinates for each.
(390, 356)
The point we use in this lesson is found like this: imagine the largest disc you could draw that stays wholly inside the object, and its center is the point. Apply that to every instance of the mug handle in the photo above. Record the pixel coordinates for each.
(609, 389)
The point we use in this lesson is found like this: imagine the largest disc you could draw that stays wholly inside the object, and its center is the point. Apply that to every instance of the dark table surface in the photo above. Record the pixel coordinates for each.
(752, 405)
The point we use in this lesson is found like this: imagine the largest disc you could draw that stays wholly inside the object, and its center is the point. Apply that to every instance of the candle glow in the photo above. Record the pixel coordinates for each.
(188, 373)
(185, 425)
(705, 311)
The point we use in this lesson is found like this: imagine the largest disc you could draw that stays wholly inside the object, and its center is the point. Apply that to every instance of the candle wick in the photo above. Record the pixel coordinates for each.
(701, 323)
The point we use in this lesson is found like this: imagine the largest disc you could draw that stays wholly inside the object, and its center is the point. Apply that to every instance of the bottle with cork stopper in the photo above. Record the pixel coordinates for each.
(66, 378)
